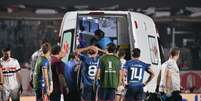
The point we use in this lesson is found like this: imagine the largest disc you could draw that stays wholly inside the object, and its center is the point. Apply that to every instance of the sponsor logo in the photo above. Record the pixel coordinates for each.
(191, 97)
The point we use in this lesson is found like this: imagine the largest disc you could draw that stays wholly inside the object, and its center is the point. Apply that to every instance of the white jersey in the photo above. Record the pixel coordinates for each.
(9, 68)
(171, 65)
(123, 61)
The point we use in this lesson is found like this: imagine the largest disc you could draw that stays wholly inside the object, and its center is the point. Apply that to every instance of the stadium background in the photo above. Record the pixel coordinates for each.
(23, 23)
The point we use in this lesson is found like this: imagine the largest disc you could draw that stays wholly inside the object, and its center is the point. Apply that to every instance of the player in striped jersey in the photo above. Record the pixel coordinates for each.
(12, 79)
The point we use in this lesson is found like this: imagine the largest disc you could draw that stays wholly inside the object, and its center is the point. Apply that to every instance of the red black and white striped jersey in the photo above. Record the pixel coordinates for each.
(9, 69)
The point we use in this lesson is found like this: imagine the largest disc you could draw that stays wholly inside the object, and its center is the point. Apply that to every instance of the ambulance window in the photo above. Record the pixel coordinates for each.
(115, 28)
(94, 26)
(88, 24)
(153, 49)
(67, 43)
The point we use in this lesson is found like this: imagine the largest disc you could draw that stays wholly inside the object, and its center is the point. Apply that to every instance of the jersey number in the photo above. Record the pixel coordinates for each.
(110, 64)
(136, 73)
(92, 71)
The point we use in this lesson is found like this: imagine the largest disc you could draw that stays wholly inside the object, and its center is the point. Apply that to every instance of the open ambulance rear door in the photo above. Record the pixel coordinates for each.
(67, 33)
(145, 37)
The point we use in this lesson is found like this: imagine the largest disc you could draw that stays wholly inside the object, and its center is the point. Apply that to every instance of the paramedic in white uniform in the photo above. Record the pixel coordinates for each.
(170, 77)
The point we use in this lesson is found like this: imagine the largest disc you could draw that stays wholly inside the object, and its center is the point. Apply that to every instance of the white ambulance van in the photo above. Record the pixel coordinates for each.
(126, 29)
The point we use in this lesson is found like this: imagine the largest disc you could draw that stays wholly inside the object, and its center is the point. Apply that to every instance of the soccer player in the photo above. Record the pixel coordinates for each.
(89, 66)
(37, 54)
(41, 83)
(134, 70)
(11, 77)
(109, 74)
(71, 72)
(59, 82)
(34, 58)
(121, 89)
(170, 77)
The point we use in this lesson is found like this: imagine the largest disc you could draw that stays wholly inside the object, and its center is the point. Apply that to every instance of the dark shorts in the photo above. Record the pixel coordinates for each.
(106, 94)
(135, 94)
(88, 94)
(39, 96)
(175, 96)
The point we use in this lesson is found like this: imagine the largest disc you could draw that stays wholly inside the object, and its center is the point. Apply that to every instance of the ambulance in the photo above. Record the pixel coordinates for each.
(126, 29)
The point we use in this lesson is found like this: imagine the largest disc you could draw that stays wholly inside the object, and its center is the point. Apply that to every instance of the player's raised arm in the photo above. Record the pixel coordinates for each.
(80, 50)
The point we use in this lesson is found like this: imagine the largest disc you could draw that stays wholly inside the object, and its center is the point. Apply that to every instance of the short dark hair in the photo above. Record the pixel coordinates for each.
(111, 48)
(56, 49)
(82, 28)
(136, 53)
(99, 33)
(44, 40)
(46, 47)
(121, 53)
(6, 49)
(72, 55)
(174, 52)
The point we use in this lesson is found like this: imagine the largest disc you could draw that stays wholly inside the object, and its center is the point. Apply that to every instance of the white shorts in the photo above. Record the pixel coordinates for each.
(120, 90)
(13, 93)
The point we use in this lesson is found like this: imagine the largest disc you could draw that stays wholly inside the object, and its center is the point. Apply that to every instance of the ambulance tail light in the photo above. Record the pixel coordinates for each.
(136, 25)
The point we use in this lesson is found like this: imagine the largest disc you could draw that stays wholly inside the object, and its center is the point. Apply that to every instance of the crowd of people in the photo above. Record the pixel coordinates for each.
(97, 72)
